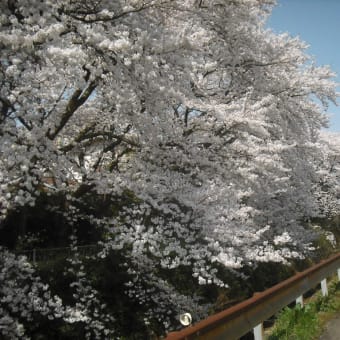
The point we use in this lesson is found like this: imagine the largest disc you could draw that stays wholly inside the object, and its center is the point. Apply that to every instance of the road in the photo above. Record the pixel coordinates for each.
(332, 331)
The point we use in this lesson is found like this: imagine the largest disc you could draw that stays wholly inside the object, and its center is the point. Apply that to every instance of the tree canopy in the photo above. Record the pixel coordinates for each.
(186, 132)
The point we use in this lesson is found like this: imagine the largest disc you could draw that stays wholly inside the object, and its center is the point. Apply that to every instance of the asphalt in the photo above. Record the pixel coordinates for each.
(332, 331)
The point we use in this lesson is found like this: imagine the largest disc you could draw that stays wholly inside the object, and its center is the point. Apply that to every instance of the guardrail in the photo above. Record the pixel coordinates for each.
(248, 315)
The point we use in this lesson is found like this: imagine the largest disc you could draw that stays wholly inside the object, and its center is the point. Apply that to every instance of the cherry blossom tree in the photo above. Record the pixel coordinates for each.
(27, 303)
(327, 188)
(197, 124)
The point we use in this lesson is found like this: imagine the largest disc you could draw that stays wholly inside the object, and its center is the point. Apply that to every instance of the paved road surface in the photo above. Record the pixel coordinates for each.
(332, 331)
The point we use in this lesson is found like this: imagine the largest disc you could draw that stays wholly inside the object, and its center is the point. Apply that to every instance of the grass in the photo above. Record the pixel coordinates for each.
(308, 322)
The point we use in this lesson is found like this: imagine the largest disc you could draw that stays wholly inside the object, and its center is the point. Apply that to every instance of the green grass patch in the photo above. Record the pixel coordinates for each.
(296, 323)
(308, 322)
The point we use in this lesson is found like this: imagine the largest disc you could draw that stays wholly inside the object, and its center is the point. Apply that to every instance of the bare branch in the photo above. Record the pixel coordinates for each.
(24, 123)
(78, 98)
(47, 114)
(84, 16)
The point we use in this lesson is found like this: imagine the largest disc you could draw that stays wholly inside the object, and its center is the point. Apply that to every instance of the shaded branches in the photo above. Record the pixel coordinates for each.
(77, 99)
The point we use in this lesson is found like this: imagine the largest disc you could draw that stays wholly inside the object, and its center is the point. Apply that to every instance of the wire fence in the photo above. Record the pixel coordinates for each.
(50, 254)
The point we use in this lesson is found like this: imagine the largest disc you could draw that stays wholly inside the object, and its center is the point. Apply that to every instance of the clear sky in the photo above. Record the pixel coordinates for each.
(316, 22)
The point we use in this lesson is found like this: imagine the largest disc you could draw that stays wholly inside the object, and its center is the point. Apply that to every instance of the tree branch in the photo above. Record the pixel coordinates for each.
(78, 98)
(47, 114)
(6, 105)
(24, 123)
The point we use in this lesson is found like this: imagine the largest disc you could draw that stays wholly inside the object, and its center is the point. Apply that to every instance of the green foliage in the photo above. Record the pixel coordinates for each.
(305, 323)
(330, 303)
(296, 323)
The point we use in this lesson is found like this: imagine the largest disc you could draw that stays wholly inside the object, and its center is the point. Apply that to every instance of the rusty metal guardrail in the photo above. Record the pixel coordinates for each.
(248, 315)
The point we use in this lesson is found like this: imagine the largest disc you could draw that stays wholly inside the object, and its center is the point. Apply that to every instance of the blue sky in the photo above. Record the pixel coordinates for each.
(316, 22)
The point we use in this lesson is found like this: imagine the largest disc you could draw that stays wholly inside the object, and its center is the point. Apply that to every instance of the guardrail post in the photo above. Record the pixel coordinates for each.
(324, 288)
(258, 332)
(339, 274)
(299, 300)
